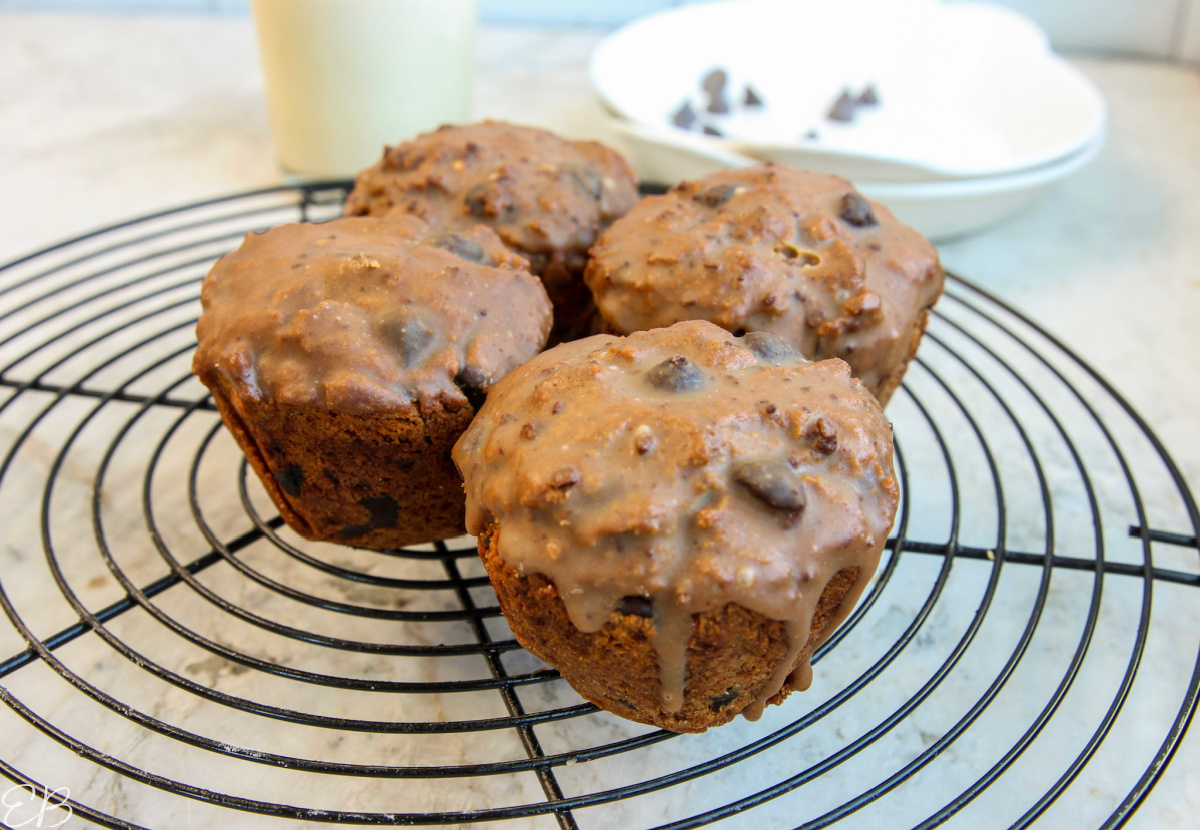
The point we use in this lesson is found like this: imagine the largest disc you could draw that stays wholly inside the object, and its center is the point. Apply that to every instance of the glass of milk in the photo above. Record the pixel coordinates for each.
(345, 77)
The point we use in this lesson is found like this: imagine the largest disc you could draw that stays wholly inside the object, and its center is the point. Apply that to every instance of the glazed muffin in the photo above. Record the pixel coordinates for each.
(347, 357)
(772, 248)
(676, 519)
(547, 197)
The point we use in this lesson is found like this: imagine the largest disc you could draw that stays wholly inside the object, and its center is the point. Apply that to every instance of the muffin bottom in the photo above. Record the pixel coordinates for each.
(732, 655)
(890, 382)
(381, 481)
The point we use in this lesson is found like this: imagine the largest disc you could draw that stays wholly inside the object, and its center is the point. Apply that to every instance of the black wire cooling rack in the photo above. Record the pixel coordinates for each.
(175, 657)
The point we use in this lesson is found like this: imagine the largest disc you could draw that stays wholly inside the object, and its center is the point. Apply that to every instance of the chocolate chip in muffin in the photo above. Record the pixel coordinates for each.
(408, 335)
(463, 247)
(717, 195)
(588, 179)
(472, 381)
(857, 211)
(773, 483)
(675, 374)
(824, 436)
(724, 699)
(636, 606)
(769, 347)
(842, 109)
(291, 479)
(684, 117)
(384, 513)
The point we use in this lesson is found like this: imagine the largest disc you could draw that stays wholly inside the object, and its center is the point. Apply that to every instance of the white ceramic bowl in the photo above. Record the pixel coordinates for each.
(941, 210)
(967, 89)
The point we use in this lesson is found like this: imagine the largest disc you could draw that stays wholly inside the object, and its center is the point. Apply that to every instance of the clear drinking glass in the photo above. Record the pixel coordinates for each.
(345, 77)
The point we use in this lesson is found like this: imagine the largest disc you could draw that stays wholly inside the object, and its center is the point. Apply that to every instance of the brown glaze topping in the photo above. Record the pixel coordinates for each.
(545, 196)
(776, 249)
(677, 470)
(364, 314)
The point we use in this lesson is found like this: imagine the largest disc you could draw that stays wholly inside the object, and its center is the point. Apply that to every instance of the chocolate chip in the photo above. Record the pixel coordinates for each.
(291, 479)
(463, 247)
(718, 105)
(709, 130)
(842, 109)
(643, 444)
(772, 482)
(476, 200)
(557, 408)
(812, 135)
(384, 513)
(529, 431)
(564, 478)
(714, 82)
(724, 699)
(824, 436)
(717, 195)
(684, 117)
(752, 98)
(588, 179)
(868, 97)
(409, 336)
(471, 380)
(636, 606)
(675, 374)
(769, 347)
(857, 211)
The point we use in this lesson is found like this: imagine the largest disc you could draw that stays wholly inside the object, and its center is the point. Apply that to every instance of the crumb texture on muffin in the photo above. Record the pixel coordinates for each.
(648, 481)
(773, 248)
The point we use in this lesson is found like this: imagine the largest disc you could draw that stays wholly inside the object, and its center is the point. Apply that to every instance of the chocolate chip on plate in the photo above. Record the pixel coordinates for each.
(675, 374)
(751, 97)
(857, 211)
(684, 117)
(463, 247)
(772, 482)
(769, 347)
(868, 97)
(717, 105)
(842, 109)
(711, 130)
(714, 82)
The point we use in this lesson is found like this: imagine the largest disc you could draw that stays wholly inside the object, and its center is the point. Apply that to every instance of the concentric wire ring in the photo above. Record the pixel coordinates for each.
(174, 652)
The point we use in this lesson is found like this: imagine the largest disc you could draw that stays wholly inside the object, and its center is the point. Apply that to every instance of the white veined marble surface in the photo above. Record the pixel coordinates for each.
(107, 118)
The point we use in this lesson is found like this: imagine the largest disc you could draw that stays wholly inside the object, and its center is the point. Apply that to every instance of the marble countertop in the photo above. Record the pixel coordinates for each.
(106, 118)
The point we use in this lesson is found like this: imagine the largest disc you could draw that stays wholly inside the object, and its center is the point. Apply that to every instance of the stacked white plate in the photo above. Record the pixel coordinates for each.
(975, 115)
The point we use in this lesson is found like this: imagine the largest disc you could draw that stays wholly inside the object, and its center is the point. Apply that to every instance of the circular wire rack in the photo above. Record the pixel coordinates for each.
(176, 657)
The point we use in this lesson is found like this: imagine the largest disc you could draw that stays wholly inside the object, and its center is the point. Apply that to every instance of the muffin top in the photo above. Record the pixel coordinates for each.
(686, 467)
(366, 314)
(771, 248)
(544, 195)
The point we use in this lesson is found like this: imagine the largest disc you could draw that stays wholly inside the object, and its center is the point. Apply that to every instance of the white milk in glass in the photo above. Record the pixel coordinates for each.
(345, 77)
